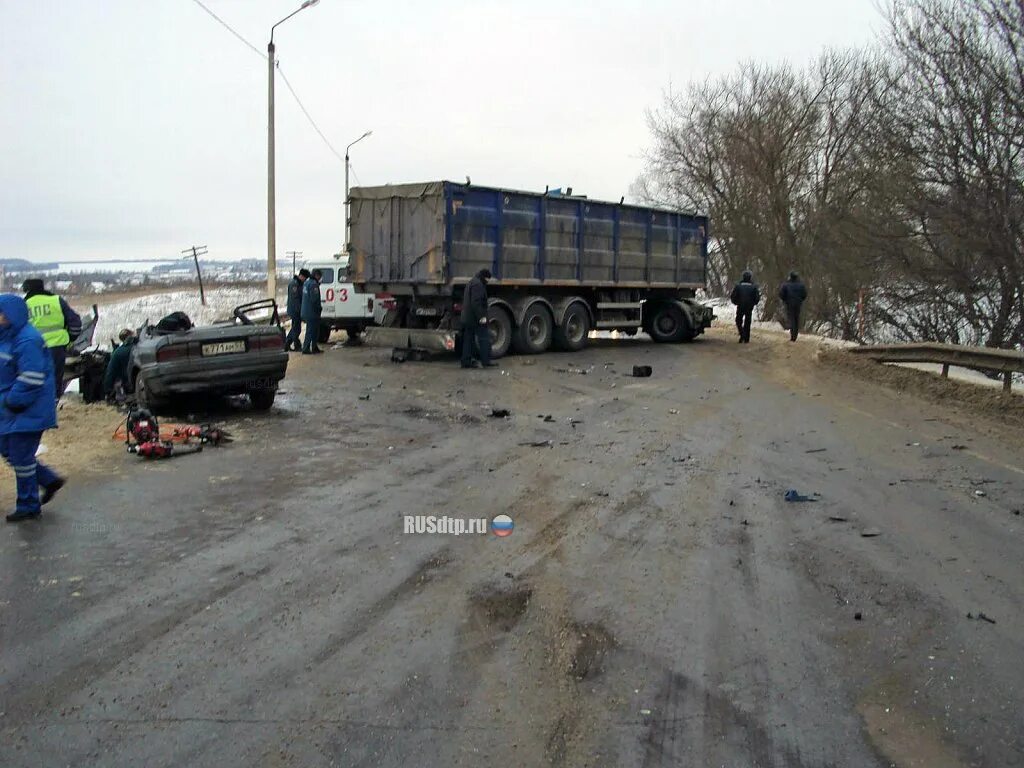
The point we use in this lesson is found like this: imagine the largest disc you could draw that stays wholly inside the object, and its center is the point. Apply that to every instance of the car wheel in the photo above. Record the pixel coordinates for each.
(324, 333)
(144, 396)
(262, 399)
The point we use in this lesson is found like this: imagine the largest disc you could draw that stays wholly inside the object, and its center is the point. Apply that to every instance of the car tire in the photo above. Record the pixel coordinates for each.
(324, 333)
(262, 399)
(144, 396)
(573, 333)
(535, 331)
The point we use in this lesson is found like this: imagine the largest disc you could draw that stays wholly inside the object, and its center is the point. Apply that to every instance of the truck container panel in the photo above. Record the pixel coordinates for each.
(442, 233)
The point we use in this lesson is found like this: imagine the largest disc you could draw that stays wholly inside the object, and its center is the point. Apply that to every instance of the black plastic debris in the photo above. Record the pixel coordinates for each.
(500, 413)
(981, 617)
(642, 371)
(794, 495)
(539, 444)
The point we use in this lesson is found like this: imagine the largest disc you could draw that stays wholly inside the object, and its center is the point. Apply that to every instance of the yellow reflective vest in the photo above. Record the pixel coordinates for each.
(47, 317)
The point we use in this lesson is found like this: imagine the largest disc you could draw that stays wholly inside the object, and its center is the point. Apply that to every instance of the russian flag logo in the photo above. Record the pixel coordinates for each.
(502, 525)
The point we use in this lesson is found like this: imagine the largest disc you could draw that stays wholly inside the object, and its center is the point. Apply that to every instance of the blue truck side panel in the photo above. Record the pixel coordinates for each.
(443, 232)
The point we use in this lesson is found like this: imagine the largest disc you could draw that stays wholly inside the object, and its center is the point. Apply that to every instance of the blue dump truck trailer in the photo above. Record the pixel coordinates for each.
(562, 266)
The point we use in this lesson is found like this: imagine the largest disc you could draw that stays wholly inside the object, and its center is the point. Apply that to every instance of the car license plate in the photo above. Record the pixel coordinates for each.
(223, 348)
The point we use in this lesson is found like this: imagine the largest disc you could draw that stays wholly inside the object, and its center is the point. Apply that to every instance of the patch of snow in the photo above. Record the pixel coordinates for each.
(135, 312)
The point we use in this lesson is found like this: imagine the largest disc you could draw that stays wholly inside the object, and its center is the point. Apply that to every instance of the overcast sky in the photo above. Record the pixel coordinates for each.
(135, 128)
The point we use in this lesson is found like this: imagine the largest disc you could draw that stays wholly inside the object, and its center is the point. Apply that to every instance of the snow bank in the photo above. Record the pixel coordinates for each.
(133, 313)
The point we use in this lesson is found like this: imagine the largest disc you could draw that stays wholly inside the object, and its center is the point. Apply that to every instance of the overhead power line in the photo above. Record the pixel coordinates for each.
(309, 117)
(226, 26)
(277, 66)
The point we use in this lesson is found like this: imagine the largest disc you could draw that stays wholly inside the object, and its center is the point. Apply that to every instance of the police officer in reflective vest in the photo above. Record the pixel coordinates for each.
(56, 321)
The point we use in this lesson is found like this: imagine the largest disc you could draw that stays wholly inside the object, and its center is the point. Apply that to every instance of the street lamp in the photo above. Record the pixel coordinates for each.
(271, 213)
(347, 208)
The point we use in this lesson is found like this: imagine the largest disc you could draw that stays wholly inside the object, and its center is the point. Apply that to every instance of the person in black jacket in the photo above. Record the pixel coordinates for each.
(793, 293)
(474, 321)
(311, 309)
(294, 309)
(745, 296)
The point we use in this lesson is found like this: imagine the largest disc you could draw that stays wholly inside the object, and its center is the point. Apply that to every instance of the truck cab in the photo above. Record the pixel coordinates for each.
(343, 307)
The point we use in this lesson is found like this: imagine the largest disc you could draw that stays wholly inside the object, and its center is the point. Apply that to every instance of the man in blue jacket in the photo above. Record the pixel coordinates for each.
(27, 406)
(311, 309)
(295, 310)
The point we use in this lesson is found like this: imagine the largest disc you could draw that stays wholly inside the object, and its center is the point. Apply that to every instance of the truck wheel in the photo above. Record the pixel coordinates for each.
(499, 322)
(669, 324)
(323, 334)
(262, 399)
(534, 333)
(574, 331)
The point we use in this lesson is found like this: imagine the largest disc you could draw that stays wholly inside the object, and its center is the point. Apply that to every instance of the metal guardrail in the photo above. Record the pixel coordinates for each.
(1005, 361)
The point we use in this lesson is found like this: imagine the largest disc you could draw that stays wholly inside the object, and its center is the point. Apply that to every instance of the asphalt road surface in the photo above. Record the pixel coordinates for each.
(658, 604)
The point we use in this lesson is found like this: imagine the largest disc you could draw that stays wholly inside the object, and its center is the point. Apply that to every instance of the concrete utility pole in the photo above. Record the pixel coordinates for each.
(196, 251)
(348, 216)
(293, 254)
(271, 212)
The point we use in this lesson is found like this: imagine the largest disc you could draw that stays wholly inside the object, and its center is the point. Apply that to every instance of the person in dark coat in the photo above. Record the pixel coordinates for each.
(117, 366)
(745, 296)
(474, 321)
(793, 294)
(310, 314)
(294, 310)
(56, 322)
(27, 407)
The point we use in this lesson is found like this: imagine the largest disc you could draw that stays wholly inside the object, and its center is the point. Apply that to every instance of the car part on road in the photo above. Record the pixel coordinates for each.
(794, 495)
(500, 413)
(982, 617)
(642, 371)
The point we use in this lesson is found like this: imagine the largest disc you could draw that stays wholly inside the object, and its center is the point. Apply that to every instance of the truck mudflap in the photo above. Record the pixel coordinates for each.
(699, 315)
(414, 338)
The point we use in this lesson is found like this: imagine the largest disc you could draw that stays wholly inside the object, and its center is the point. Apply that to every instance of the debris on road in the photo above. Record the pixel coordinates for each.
(500, 413)
(816, 450)
(673, 411)
(981, 617)
(642, 371)
(365, 397)
(858, 616)
(794, 495)
(868, 533)
(838, 518)
(539, 444)
(980, 494)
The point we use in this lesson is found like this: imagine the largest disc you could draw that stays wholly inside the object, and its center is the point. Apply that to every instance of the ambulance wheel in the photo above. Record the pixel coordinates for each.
(324, 333)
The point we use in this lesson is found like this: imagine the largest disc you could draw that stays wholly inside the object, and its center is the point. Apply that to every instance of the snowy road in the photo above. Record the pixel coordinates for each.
(657, 604)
